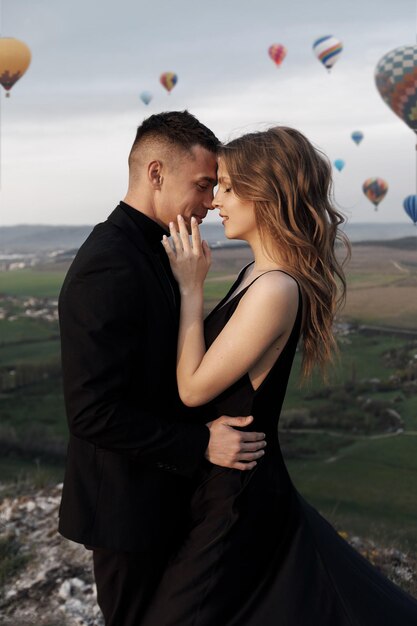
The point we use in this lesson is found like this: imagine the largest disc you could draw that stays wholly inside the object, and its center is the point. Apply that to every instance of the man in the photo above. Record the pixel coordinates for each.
(134, 447)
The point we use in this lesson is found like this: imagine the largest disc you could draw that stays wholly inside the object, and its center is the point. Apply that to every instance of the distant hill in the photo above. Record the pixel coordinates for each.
(37, 238)
(404, 243)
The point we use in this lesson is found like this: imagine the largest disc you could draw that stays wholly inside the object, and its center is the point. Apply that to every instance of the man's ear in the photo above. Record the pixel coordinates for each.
(155, 174)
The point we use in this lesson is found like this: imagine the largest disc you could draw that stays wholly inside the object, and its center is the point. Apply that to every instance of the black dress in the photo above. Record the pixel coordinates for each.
(256, 553)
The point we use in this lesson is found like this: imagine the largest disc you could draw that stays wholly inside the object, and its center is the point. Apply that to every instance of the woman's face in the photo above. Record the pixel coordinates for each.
(238, 216)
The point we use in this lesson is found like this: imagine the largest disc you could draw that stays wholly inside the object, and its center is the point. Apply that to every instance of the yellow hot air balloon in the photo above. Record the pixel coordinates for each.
(15, 58)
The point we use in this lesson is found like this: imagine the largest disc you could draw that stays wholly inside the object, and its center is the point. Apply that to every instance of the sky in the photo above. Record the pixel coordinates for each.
(68, 126)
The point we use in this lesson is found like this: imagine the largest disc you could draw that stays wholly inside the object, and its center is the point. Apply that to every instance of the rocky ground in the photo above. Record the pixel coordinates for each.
(47, 581)
(53, 584)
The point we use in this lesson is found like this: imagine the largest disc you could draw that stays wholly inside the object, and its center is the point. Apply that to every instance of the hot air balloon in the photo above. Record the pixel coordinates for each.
(168, 80)
(277, 52)
(15, 58)
(357, 136)
(146, 97)
(396, 81)
(339, 164)
(410, 207)
(327, 49)
(375, 190)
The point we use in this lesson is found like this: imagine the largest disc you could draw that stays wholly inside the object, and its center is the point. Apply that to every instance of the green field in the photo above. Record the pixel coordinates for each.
(26, 330)
(32, 282)
(367, 488)
(30, 352)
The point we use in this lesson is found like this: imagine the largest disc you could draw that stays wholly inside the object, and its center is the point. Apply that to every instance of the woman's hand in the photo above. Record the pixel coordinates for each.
(190, 261)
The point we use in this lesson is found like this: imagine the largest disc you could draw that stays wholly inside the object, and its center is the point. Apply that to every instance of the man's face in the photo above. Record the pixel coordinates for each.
(187, 188)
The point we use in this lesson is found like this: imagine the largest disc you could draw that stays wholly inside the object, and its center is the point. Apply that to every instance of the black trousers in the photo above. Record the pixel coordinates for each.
(125, 583)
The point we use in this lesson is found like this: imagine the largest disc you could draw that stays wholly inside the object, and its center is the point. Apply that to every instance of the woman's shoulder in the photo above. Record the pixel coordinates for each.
(275, 282)
(272, 290)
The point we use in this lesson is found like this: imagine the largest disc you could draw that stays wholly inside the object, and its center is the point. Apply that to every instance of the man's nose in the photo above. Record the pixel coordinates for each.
(208, 202)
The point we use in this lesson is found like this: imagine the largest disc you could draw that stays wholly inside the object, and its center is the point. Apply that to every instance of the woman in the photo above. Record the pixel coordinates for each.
(256, 553)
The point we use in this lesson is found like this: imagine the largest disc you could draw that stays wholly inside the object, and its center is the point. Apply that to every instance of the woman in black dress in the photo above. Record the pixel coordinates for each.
(256, 553)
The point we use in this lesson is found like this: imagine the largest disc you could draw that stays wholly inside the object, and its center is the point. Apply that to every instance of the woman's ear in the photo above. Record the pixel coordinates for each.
(155, 174)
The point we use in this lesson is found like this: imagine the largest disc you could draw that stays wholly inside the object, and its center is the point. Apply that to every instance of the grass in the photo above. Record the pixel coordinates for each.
(371, 485)
(23, 472)
(360, 358)
(30, 353)
(32, 282)
(361, 280)
(36, 409)
(27, 330)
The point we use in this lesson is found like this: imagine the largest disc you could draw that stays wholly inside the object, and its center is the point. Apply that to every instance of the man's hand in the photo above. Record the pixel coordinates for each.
(233, 448)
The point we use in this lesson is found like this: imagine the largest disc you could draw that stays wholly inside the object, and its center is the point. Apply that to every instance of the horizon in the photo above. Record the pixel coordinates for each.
(205, 222)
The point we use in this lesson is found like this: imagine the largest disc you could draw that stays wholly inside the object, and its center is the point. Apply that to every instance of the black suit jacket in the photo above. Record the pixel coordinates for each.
(133, 445)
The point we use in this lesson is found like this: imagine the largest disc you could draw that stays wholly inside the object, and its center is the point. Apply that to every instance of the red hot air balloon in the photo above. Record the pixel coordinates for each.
(14, 60)
(277, 52)
(168, 80)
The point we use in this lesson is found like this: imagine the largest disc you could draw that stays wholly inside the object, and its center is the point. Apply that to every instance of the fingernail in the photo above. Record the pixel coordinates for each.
(171, 224)
(193, 220)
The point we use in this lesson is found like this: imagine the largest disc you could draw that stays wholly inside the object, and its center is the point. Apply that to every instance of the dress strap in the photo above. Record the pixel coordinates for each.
(267, 272)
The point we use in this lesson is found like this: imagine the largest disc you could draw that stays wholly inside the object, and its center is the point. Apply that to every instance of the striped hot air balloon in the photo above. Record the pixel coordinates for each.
(410, 207)
(327, 49)
(15, 58)
(168, 80)
(375, 189)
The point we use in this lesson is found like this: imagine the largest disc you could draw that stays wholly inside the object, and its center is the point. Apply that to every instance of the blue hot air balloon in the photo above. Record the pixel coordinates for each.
(357, 136)
(410, 207)
(339, 164)
(146, 97)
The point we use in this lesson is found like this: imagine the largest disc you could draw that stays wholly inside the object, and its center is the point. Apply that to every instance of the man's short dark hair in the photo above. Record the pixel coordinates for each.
(179, 128)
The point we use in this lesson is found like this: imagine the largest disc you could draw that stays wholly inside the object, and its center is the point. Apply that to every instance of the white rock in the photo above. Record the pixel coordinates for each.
(29, 506)
(64, 591)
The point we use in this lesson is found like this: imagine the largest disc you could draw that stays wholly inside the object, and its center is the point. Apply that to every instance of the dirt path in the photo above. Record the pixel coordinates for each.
(399, 267)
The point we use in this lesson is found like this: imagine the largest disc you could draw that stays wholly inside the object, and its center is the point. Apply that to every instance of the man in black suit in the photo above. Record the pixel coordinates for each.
(133, 446)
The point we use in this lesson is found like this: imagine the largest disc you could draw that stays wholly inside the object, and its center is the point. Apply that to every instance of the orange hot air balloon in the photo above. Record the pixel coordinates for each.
(15, 58)
(277, 52)
(168, 80)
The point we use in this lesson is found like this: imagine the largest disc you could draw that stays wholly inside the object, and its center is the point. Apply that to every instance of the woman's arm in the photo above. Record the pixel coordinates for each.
(261, 320)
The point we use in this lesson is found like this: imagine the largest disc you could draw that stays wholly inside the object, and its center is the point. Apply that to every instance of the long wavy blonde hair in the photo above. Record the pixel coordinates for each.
(290, 184)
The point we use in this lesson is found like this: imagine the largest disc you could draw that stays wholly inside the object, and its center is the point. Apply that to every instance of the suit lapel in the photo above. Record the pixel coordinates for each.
(121, 220)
